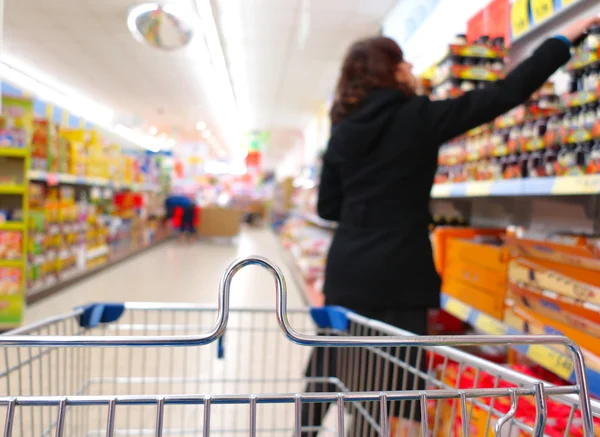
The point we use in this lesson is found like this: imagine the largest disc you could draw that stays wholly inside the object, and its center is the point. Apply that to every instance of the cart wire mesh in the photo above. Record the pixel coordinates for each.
(140, 369)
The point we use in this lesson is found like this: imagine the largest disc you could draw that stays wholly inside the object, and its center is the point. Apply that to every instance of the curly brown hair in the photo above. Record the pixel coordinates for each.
(369, 64)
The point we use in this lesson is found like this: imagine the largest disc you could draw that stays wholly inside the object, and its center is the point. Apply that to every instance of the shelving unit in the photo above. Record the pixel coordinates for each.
(57, 178)
(554, 186)
(17, 119)
(548, 357)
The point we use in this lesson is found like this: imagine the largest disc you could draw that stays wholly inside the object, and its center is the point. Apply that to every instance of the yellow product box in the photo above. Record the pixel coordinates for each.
(574, 251)
(525, 320)
(581, 316)
(536, 275)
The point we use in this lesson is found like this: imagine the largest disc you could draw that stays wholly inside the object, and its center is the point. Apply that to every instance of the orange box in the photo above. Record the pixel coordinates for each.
(443, 235)
(480, 299)
(474, 253)
(482, 277)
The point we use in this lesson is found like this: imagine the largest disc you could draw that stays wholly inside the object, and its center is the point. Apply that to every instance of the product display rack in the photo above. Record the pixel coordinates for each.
(14, 162)
(553, 360)
(66, 153)
(546, 186)
(56, 178)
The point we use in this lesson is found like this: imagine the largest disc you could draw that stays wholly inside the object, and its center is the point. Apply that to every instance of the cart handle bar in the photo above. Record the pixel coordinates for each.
(310, 340)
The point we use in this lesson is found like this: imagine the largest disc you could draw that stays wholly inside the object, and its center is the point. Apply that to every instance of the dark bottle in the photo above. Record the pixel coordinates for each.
(582, 154)
(535, 165)
(522, 169)
(550, 160)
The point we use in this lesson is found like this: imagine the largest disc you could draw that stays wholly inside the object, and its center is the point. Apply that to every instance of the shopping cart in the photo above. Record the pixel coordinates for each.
(139, 369)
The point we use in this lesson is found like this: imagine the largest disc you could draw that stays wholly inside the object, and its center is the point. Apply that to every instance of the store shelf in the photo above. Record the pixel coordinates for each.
(549, 358)
(318, 221)
(561, 186)
(12, 189)
(555, 19)
(11, 152)
(96, 252)
(12, 226)
(311, 296)
(56, 178)
(12, 263)
(37, 295)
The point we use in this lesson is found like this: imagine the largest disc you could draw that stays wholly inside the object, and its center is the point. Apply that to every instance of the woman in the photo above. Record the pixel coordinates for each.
(377, 175)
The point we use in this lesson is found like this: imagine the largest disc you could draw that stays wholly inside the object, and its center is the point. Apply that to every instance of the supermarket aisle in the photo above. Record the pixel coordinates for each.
(179, 272)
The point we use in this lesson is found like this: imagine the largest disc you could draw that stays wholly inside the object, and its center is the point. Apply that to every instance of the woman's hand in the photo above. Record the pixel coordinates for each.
(577, 29)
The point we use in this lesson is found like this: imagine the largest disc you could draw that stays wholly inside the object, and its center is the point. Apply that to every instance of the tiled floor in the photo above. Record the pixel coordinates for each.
(180, 272)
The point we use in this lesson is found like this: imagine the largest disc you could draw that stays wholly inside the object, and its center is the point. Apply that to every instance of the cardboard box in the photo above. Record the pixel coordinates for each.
(536, 275)
(443, 236)
(556, 307)
(480, 299)
(526, 320)
(220, 222)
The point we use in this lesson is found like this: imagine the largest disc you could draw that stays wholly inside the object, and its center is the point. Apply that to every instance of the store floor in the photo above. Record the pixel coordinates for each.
(257, 357)
(180, 272)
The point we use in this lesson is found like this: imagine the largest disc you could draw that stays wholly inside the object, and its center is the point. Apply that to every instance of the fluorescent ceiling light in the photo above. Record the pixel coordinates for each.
(55, 93)
(66, 99)
(304, 26)
(200, 126)
(224, 96)
(206, 134)
(147, 142)
(153, 130)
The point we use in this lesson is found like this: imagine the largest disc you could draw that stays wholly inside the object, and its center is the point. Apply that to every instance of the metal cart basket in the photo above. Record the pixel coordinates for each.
(140, 369)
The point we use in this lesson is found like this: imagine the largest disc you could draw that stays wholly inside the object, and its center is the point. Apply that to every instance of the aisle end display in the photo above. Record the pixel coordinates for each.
(62, 214)
(16, 122)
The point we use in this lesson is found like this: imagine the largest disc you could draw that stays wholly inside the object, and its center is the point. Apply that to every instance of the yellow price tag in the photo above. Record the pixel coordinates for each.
(542, 10)
(490, 325)
(458, 309)
(577, 185)
(479, 189)
(552, 360)
(519, 17)
(441, 191)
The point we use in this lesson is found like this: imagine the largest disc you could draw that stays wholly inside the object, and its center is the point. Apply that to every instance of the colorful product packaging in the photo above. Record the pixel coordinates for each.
(11, 245)
(11, 279)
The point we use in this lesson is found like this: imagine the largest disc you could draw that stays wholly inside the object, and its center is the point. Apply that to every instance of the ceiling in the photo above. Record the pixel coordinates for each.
(282, 57)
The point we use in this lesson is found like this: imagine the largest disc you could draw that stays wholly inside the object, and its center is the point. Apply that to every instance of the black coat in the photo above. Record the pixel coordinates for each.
(377, 175)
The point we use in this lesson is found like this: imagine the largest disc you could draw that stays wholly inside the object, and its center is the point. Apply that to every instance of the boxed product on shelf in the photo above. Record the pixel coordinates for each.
(564, 310)
(572, 282)
(11, 245)
(16, 123)
(525, 320)
(40, 141)
(570, 250)
(473, 265)
(11, 280)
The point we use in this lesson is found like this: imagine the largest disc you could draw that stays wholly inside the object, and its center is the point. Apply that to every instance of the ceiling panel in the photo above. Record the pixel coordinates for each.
(87, 45)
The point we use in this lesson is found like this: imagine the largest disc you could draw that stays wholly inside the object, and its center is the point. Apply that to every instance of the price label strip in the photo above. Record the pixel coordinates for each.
(577, 185)
(551, 359)
(542, 10)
